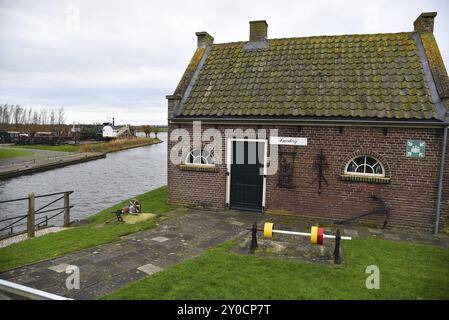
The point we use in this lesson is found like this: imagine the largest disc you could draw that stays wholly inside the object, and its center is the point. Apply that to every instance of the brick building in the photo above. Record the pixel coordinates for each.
(356, 116)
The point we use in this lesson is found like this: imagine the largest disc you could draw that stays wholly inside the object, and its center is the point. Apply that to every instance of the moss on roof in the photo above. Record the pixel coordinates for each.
(365, 76)
(436, 64)
(193, 64)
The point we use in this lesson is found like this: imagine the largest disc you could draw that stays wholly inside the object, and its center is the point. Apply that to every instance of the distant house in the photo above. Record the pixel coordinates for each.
(357, 116)
(140, 134)
(14, 137)
(5, 137)
(110, 131)
(47, 137)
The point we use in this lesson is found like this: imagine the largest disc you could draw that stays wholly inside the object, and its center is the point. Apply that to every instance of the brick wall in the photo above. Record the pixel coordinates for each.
(258, 30)
(411, 193)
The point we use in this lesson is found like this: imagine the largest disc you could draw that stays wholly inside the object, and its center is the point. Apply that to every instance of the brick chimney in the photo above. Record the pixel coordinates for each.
(258, 30)
(173, 101)
(204, 39)
(424, 23)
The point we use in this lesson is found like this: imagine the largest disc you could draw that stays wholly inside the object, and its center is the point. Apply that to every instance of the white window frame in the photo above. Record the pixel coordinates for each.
(228, 165)
(364, 174)
(186, 162)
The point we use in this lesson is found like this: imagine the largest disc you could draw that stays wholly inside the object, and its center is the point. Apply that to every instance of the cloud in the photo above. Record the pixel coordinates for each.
(120, 58)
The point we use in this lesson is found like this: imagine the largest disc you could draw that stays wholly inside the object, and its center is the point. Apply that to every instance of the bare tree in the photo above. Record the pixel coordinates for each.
(5, 115)
(156, 130)
(23, 116)
(147, 130)
(52, 117)
(30, 116)
(6, 111)
(43, 116)
(35, 117)
(3, 111)
(61, 116)
(17, 113)
(11, 113)
(1, 114)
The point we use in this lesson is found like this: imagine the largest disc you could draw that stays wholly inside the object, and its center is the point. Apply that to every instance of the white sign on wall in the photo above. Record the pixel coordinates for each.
(290, 141)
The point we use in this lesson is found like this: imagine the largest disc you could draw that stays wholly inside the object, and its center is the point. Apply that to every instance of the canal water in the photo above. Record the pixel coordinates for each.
(97, 184)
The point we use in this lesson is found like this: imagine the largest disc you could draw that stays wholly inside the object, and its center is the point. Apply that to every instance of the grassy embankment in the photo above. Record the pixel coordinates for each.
(101, 228)
(102, 147)
(63, 148)
(117, 145)
(407, 271)
(9, 153)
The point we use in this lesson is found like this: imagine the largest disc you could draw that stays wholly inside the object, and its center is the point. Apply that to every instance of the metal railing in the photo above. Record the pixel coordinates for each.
(22, 291)
(31, 221)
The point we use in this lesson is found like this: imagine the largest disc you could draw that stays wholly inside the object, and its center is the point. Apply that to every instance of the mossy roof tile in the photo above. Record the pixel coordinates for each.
(377, 75)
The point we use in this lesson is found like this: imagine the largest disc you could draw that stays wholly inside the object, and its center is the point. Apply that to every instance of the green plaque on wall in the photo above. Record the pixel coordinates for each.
(416, 149)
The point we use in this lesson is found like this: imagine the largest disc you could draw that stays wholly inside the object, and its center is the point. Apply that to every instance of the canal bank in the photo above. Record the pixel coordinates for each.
(52, 160)
(119, 145)
(96, 184)
(99, 228)
(40, 165)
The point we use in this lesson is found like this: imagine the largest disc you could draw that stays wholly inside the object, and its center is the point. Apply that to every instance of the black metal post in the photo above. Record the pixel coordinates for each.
(253, 247)
(337, 257)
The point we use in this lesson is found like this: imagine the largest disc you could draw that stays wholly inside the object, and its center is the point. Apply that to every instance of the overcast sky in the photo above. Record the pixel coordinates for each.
(121, 58)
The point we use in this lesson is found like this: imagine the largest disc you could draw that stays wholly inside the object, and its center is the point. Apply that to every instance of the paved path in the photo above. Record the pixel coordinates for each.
(37, 155)
(184, 234)
(24, 236)
(105, 268)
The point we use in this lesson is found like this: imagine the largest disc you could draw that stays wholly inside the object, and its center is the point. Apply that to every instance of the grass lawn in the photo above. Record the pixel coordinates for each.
(65, 148)
(407, 271)
(94, 233)
(9, 153)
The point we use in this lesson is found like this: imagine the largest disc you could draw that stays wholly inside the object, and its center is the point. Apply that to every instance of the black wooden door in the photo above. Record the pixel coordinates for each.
(247, 175)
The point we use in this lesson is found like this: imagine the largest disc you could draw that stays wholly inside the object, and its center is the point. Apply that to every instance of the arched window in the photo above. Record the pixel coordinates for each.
(365, 165)
(198, 156)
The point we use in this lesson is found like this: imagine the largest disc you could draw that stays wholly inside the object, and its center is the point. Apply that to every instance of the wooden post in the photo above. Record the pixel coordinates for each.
(30, 219)
(66, 209)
